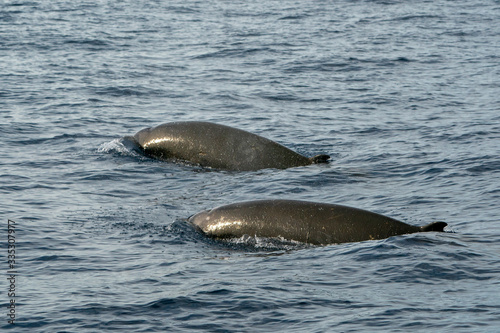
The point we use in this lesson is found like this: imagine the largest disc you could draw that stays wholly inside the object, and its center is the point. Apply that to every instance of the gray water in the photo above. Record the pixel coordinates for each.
(403, 95)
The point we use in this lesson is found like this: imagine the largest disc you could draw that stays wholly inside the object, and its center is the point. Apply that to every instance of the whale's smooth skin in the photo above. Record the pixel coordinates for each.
(218, 146)
(302, 221)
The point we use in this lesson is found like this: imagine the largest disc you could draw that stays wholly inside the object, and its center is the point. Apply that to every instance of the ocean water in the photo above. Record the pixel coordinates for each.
(404, 96)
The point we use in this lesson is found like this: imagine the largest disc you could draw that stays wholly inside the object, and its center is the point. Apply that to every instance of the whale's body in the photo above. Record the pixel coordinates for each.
(218, 146)
(308, 222)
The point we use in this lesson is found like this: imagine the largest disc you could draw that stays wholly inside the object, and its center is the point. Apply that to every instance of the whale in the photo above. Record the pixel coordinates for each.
(218, 146)
(301, 221)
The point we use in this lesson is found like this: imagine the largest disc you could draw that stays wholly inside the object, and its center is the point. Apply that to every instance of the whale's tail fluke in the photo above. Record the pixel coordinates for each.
(320, 159)
(434, 226)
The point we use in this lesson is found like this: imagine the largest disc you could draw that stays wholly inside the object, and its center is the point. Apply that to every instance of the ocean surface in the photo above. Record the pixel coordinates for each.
(403, 95)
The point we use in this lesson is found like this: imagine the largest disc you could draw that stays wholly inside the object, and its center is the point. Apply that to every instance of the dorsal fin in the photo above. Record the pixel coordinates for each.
(320, 159)
(434, 226)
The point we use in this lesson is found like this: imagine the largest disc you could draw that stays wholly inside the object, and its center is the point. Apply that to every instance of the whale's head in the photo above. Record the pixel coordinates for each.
(200, 220)
(217, 224)
(142, 136)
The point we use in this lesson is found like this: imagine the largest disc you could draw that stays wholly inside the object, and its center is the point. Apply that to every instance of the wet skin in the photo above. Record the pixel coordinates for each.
(308, 222)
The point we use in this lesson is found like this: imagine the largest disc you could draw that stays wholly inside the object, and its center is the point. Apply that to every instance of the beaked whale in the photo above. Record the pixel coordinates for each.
(303, 221)
(218, 146)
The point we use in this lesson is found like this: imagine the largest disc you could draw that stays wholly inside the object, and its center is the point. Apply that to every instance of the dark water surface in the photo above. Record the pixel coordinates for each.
(404, 95)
